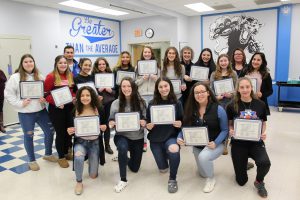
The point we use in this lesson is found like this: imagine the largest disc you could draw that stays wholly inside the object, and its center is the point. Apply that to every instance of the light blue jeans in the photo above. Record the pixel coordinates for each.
(81, 148)
(27, 121)
(204, 159)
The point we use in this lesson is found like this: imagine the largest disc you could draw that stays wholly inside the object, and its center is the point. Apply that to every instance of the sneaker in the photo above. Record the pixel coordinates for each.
(33, 166)
(108, 149)
(209, 185)
(115, 158)
(63, 163)
(145, 147)
(261, 190)
(172, 186)
(120, 186)
(163, 171)
(50, 158)
(250, 165)
(78, 189)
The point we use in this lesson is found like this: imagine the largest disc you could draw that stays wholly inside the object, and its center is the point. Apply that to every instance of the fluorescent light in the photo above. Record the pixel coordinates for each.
(111, 11)
(80, 5)
(199, 7)
(284, 0)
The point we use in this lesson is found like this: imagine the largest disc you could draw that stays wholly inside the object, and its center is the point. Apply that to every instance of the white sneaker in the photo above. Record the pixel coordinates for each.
(120, 186)
(209, 185)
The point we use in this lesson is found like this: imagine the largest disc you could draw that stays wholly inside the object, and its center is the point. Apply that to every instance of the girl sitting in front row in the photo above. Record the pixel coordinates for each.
(87, 104)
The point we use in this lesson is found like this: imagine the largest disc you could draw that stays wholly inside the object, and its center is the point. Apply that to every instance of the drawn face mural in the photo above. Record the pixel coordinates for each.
(239, 31)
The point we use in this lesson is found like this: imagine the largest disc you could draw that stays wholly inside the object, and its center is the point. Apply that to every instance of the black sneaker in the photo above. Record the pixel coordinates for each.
(261, 190)
(108, 149)
(250, 165)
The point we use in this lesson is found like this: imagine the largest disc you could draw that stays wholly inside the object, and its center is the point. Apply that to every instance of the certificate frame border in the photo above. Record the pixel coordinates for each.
(246, 138)
(138, 68)
(20, 86)
(195, 144)
(117, 77)
(128, 113)
(105, 74)
(78, 118)
(224, 80)
(255, 84)
(196, 66)
(176, 80)
(157, 106)
(55, 100)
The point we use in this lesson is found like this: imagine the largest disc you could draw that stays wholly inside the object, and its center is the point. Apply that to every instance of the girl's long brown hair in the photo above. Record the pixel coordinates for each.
(157, 99)
(96, 69)
(177, 65)
(218, 72)
(23, 73)
(94, 99)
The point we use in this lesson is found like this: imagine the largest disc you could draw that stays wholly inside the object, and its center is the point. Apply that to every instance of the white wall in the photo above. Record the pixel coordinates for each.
(294, 66)
(194, 36)
(41, 24)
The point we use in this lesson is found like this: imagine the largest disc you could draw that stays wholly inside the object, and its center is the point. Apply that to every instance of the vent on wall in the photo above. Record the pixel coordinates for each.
(261, 2)
(223, 7)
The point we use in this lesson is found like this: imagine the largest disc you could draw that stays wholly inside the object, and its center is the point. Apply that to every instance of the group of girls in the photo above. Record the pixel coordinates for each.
(202, 108)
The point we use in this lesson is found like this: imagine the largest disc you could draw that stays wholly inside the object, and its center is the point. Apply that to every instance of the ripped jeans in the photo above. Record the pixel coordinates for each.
(27, 121)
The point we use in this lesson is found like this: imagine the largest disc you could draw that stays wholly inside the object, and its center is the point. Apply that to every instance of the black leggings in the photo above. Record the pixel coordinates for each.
(1, 105)
(240, 151)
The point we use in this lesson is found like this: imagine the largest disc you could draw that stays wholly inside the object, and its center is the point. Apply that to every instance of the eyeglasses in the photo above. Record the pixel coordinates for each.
(200, 92)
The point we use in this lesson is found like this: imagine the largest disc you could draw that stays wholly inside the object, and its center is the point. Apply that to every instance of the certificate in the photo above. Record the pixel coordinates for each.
(254, 84)
(31, 89)
(105, 80)
(247, 129)
(87, 126)
(61, 96)
(164, 114)
(199, 73)
(122, 74)
(195, 136)
(223, 86)
(89, 84)
(176, 85)
(127, 121)
(146, 67)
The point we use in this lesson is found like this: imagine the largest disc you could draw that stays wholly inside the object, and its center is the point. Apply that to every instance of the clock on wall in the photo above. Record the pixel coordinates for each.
(149, 33)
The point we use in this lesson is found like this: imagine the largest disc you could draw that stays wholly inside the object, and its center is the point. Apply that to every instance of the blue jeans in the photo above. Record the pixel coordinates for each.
(161, 153)
(204, 159)
(86, 147)
(135, 148)
(27, 121)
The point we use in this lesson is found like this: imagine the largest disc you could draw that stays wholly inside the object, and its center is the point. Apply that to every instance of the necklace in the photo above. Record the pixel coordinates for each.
(249, 107)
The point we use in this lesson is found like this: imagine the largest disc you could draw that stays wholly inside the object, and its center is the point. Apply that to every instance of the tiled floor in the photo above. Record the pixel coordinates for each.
(53, 182)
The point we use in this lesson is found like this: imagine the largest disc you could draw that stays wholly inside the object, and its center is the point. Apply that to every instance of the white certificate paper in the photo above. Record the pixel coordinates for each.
(122, 74)
(164, 114)
(195, 136)
(223, 86)
(199, 73)
(89, 84)
(87, 126)
(61, 96)
(105, 80)
(146, 67)
(254, 84)
(176, 85)
(31, 89)
(247, 129)
(127, 121)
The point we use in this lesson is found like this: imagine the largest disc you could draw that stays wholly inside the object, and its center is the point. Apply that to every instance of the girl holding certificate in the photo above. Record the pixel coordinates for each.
(223, 71)
(206, 60)
(245, 105)
(163, 136)
(146, 83)
(238, 61)
(172, 68)
(124, 64)
(186, 57)
(30, 111)
(107, 95)
(60, 116)
(84, 76)
(202, 110)
(129, 101)
(258, 69)
(87, 104)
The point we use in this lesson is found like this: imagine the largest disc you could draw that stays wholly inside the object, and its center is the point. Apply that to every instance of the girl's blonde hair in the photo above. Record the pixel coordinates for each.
(119, 63)
(57, 79)
(218, 72)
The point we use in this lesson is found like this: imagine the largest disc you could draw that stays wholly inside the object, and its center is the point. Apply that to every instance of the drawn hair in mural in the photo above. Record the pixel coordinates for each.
(239, 31)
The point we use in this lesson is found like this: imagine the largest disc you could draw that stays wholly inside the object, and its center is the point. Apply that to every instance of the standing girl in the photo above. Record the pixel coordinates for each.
(223, 71)
(258, 69)
(163, 137)
(206, 60)
(246, 105)
(172, 68)
(202, 110)
(129, 101)
(84, 76)
(124, 64)
(30, 111)
(107, 95)
(146, 83)
(238, 61)
(87, 104)
(60, 116)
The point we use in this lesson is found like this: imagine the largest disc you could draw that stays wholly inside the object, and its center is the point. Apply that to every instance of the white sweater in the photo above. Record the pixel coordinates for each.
(12, 95)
